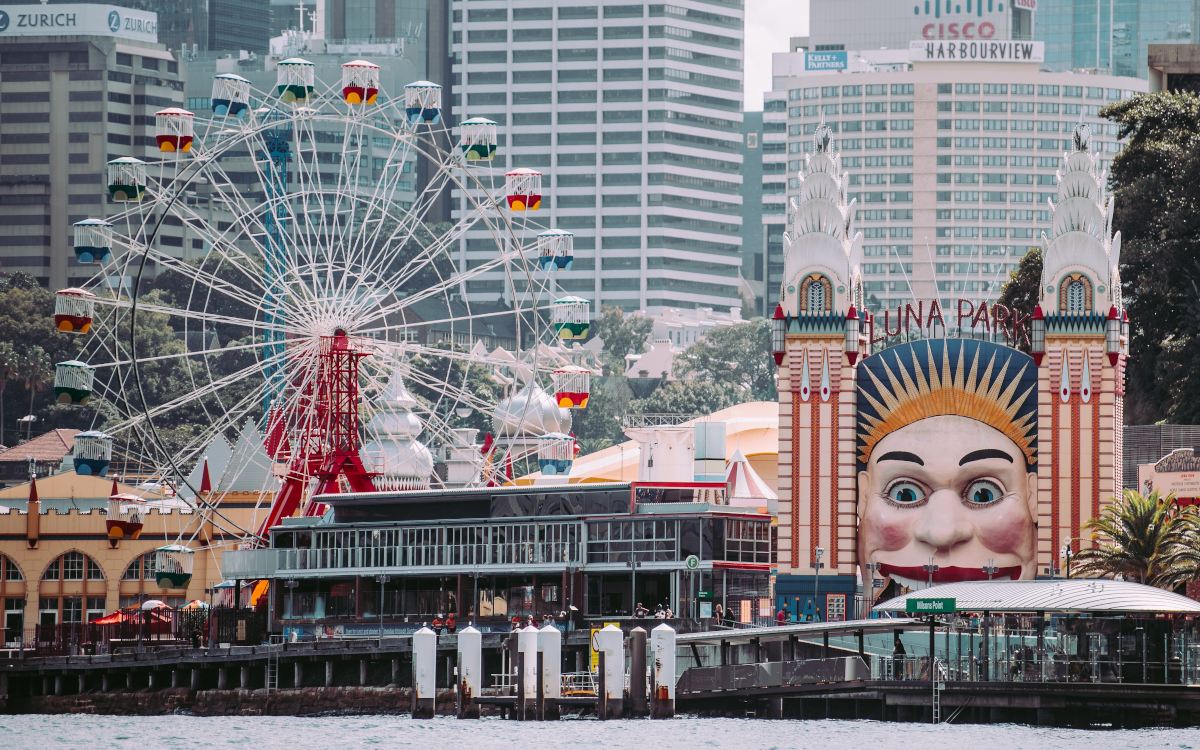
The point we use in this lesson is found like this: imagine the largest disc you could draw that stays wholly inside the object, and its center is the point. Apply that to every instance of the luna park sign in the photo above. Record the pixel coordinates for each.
(927, 319)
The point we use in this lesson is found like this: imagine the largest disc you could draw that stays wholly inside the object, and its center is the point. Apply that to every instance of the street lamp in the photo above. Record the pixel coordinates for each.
(1066, 553)
(872, 568)
(818, 553)
(291, 585)
(383, 580)
(990, 569)
(930, 569)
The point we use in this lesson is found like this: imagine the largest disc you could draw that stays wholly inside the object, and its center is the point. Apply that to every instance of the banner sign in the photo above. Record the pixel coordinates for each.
(944, 50)
(74, 20)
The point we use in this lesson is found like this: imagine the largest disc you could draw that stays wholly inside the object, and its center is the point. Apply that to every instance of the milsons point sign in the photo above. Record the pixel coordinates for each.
(926, 319)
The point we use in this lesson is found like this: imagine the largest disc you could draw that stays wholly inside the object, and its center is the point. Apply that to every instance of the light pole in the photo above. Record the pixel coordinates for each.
(818, 553)
(383, 580)
(291, 585)
(1066, 553)
(930, 569)
(872, 568)
(990, 569)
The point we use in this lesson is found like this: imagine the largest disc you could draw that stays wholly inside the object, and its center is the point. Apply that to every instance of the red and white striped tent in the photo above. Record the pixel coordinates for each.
(746, 488)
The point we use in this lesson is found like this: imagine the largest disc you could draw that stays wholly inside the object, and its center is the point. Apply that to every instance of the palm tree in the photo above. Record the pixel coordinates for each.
(1144, 538)
(10, 367)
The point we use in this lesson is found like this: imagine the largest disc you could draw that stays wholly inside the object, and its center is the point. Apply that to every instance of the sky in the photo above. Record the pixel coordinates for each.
(769, 25)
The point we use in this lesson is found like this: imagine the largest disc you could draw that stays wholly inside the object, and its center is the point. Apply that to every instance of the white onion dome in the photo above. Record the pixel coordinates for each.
(401, 461)
(530, 412)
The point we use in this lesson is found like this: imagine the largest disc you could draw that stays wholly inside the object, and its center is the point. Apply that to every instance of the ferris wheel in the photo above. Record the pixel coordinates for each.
(276, 265)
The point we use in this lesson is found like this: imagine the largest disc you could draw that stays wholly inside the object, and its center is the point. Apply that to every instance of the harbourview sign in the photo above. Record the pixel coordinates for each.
(71, 19)
(944, 50)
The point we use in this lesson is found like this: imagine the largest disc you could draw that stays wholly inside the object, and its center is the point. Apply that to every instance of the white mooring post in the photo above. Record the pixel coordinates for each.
(611, 642)
(424, 645)
(527, 648)
(662, 648)
(550, 646)
(470, 671)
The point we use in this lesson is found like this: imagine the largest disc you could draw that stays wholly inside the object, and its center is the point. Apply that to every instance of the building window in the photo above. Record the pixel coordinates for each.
(70, 566)
(816, 294)
(9, 570)
(1075, 294)
(142, 568)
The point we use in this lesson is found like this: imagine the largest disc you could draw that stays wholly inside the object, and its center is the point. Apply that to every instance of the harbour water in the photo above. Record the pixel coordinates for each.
(345, 732)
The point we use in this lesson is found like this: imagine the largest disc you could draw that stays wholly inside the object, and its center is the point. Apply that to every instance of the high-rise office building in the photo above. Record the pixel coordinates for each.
(632, 111)
(79, 87)
(950, 162)
(1113, 35)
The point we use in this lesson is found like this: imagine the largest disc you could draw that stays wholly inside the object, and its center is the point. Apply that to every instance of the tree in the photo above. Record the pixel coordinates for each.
(10, 367)
(737, 355)
(622, 335)
(1023, 290)
(600, 424)
(1158, 215)
(1144, 538)
(691, 397)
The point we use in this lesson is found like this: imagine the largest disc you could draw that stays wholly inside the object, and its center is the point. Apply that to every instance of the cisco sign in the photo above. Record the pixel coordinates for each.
(89, 20)
(960, 19)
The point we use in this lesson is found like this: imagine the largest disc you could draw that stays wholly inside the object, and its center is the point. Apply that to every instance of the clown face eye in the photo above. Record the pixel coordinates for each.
(904, 492)
(983, 492)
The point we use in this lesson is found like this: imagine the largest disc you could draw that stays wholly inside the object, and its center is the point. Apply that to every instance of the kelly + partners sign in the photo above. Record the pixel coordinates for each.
(948, 50)
(78, 19)
(827, 60)
(930, 606)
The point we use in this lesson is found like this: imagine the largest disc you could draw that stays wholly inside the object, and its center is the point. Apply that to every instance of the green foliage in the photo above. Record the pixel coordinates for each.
(29, 347)
(1023, 290)
(737, 356)
(622, 335)
(599, 425)
(1158, 214)
(1144, 538)
(690, 397)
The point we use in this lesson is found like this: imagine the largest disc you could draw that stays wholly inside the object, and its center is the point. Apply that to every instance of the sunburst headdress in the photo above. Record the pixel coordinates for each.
(979, 380)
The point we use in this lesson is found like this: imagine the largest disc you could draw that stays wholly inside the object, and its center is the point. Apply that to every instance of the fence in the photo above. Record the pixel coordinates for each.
(141, 630)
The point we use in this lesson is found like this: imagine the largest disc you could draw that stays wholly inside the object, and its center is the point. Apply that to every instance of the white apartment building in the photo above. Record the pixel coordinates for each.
(79, 86)
(951, 162)
(632, 111)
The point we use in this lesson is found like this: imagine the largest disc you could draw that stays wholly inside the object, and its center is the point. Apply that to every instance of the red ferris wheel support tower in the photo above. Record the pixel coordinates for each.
(318, 436)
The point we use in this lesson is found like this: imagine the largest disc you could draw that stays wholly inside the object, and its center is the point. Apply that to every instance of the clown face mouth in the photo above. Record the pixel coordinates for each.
(915, 576)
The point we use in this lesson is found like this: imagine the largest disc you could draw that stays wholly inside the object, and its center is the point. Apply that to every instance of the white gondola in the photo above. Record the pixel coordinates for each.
(477, 138)
(92, 453)
(295, 80)
(230, 95)
(74, 310)
(571, 317)
(126, 179)
(174, 130)
(423, 102)
(556, 453)
(173, 566)
(572, 386)
(523, 188)
(360, 82)
(556, 249)
(73, 382)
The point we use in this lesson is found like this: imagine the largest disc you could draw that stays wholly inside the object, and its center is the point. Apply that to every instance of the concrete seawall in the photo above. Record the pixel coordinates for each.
(287, 702)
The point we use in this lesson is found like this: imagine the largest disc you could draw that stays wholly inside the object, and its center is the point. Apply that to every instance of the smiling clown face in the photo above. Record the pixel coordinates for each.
(951, 490)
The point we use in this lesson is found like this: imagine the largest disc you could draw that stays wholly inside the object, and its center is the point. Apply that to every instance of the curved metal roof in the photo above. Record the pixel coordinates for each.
(1057, 595)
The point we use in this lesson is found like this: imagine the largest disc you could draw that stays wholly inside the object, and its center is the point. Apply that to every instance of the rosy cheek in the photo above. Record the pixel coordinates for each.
(1005, 529)
(887, 529)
